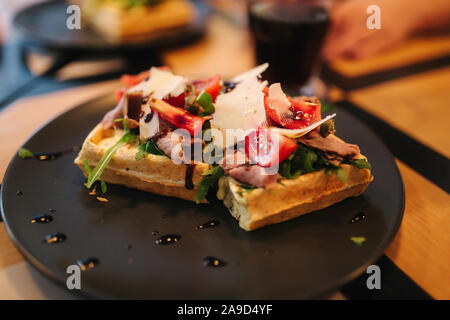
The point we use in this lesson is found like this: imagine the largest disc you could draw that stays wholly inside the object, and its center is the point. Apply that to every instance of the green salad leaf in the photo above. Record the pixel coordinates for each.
(326, 107)
(327, 128)
(304, 160)
(361, 164)
(301, 161)
(209, 182)
(341, 173)
(359, 241)
(25, 153)
(134, 3)
(88, 170)
(96, 173)
(148, 148)
(205, 101)
(248, 188)
(86, 167)
(103, 186)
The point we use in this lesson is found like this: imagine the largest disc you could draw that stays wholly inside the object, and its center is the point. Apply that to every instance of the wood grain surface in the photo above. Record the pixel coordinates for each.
(421, 248)
(418, 105)
(413, 51)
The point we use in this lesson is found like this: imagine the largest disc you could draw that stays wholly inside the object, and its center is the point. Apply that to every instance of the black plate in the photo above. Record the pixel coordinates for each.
(300, 258)
(44, 24)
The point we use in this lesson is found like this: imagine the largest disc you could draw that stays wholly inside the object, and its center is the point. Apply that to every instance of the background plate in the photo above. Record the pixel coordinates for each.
(300, 258)
(44, 24)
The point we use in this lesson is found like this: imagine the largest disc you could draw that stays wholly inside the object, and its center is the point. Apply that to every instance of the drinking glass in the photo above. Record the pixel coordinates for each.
(289, 35)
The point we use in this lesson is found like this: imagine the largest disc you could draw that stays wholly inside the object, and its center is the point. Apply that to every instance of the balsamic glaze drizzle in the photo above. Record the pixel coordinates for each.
(208, 225)
(44, 218)
(358, 217)
(88, 263)
(54, 155)
(55, 238)
(168, 239)
(213, 262)
(189, 184)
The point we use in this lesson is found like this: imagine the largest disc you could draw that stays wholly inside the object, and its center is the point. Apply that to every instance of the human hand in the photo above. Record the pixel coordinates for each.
(350, 37)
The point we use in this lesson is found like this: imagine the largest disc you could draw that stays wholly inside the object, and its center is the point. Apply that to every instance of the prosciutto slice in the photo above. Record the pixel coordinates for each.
(253, 175)
(330, 145)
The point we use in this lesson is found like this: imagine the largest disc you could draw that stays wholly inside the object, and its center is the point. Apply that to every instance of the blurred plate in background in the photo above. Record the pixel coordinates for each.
(44, 24)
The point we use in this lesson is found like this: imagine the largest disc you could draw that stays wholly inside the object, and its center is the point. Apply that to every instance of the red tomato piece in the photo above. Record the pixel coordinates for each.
(130, 80)
(176, 101)
(210, 85)
(267, 148)
(119, 93)
(304, 113)
(179, 118)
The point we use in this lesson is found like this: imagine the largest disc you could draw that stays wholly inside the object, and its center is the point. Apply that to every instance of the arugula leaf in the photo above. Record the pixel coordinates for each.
(304, 160)
(359, 241)
(286, 172)
(95, 174)
(327, 128)
(25, 153)
(150, 3)
(247, 188)
(87, 168)
(148, 148)
(341, 173)
(209, 181)
(103, 186)
(301, 161)
(205, 101)
(361, 164)
(326, 107)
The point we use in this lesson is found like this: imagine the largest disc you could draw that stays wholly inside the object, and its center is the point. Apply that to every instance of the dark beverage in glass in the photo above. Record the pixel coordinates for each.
(288, 35)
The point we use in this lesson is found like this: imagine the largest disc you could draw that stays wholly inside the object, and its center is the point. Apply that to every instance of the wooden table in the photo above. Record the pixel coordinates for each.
(416, 105)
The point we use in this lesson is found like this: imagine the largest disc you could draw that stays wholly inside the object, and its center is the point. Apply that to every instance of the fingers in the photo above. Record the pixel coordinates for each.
(378, 41)
(346, 39)
(347, 28)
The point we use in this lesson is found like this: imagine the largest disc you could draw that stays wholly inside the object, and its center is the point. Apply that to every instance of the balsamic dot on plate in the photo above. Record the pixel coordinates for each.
(55, 238)
(213, 262)
(168, 239)
(44, 218)
(88, 263)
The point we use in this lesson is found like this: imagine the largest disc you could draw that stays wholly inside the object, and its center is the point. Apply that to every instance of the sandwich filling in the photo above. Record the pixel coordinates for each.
(243, 128)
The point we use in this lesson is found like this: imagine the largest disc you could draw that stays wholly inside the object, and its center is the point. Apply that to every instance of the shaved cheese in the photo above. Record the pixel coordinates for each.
(297, 133)
(280, 103)
(161, 84)
(252, 73)
(242, 108)
(148, 129)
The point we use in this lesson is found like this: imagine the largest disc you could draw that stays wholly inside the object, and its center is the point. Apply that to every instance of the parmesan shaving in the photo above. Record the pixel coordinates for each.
(241, 109)
(148, 129)
(280, 103)
(297, 133)
(161, 84)
(252, 73)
